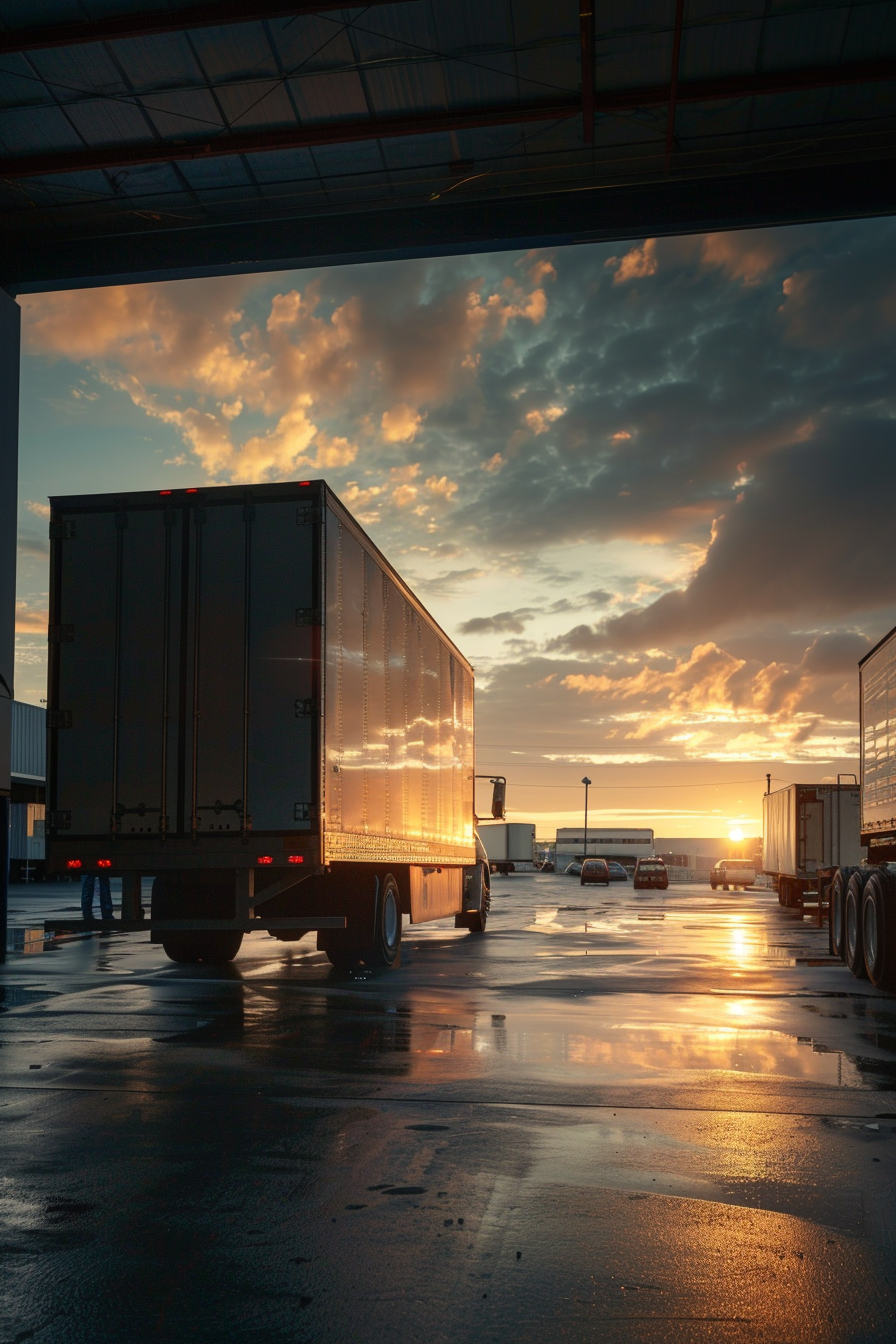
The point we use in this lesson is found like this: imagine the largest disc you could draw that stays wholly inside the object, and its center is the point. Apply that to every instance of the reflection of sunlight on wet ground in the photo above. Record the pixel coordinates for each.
(626, 1047)
(735, 941)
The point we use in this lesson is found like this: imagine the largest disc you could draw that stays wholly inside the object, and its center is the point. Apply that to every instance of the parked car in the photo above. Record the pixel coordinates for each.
(651, 873)
(733, 873)
(617, 872)
(573, 869)
(595, 870)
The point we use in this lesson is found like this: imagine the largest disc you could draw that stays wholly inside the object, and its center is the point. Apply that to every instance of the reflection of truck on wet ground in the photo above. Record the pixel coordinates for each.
(510, 846)
(249, 705)
(808, 830)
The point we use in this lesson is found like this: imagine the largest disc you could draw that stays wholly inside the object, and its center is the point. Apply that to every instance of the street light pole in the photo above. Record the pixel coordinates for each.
(586, 781)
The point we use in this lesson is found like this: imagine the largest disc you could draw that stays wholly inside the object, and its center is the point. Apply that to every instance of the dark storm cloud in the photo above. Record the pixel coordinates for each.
(670, 387)
(799, 539)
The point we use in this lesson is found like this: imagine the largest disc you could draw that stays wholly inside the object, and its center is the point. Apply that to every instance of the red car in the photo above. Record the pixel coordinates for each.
(595, 870)
(651, 873)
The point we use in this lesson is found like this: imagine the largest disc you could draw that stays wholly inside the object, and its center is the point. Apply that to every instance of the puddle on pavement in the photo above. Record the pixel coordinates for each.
(339, 1034)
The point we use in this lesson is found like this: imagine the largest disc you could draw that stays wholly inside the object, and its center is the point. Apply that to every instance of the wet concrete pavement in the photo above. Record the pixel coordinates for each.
(615, 1116)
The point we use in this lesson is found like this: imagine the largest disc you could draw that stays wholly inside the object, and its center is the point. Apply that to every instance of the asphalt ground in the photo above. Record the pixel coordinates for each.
(615, 1116)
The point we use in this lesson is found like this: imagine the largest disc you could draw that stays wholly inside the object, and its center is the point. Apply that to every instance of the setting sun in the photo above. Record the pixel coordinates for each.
(736, 834)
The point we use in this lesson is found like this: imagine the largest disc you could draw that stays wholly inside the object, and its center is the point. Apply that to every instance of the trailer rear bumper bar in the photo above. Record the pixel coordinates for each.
(309, 922)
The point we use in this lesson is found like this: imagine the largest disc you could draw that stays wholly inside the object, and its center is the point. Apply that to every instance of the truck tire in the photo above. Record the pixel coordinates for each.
(837, 910)
(387, 928)
(348, 949)
(214, 947)
(853, 950)
(879, 928)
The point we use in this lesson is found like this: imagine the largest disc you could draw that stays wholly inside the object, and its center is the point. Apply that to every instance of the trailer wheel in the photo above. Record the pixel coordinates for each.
(215, 947)
(879, 929)
(837, 910)
(854, 951)
(180, 947)
(387, 931)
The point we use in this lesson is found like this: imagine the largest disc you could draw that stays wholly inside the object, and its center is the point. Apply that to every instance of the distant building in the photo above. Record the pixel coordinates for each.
(622, 843)
(701, 855)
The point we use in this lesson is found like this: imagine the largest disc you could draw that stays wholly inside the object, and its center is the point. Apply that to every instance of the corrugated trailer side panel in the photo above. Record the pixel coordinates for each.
(398, 760)
(877, 683)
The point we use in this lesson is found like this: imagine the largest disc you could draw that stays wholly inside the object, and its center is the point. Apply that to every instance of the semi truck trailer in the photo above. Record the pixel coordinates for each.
(808, 830)
(863, 899)
(247, 704)
(510, 846)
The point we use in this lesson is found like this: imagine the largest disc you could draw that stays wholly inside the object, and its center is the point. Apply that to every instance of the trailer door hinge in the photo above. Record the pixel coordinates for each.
(308, 616)
(306, 709)
(59, 821)
(62, 528)
(61, 634)
(59, 718)
(305, 812)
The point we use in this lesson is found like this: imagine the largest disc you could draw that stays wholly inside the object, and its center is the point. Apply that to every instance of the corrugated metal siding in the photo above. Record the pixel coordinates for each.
(29, 741)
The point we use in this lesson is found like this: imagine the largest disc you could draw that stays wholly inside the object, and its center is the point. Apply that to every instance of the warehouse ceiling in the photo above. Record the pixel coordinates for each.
(184, 139)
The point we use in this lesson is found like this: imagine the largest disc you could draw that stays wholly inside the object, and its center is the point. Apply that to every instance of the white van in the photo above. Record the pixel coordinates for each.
(733, 873)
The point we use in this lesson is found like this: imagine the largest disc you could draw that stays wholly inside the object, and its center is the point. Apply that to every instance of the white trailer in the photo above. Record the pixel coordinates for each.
(808, 829)
(510, 845)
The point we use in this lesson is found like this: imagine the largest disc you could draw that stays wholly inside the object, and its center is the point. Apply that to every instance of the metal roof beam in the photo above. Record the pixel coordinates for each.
(586, 40)
(150, 22)
(290, 137)
(428, 123)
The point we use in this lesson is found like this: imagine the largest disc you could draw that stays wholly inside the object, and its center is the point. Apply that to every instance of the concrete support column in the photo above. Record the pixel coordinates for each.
(9, 488)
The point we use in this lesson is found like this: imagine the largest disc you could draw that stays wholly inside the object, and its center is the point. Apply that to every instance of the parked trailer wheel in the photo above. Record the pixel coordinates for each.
(387, 929)
(214, 947)
(853, 949)
(879, 928)
(380, 911)
(837, 910)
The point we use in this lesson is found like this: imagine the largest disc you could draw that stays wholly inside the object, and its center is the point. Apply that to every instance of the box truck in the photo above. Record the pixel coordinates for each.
(808, 830)
(510, 846)
(247, 704)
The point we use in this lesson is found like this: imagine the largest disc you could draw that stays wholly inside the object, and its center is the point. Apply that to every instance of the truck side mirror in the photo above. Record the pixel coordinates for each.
(499, 788)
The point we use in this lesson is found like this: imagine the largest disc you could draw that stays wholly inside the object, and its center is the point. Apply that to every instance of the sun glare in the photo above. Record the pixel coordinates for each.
(736, 834)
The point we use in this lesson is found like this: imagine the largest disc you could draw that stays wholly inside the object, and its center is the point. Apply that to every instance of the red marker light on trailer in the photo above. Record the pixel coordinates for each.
(295, 858)
(304, 482)
(104, 863)
(164, 492)
(73, 863)
(265, 858)
(193, 490)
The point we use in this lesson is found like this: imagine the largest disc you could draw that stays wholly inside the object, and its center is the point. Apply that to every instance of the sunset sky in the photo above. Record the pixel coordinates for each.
(646, 488)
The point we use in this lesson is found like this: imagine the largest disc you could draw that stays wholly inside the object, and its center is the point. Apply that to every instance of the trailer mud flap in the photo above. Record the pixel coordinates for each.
(435, 892)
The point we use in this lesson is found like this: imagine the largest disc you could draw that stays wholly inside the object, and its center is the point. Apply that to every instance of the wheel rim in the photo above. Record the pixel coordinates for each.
(852, 927)
(869, 929)
(390, 919)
